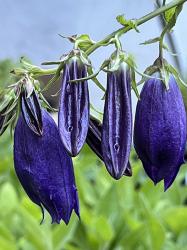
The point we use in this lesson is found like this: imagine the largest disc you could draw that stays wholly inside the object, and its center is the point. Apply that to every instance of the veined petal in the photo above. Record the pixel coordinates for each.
(74, 108)
(117, 122)
(94, 141)
(160, 130)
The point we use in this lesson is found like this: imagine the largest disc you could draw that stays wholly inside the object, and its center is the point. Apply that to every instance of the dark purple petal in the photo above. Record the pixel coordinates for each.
(93, 138)
(94, 141)
(45, 170)
(160, 130)
(74, 108)
(128, 170)
(117, 123)
(31, 111)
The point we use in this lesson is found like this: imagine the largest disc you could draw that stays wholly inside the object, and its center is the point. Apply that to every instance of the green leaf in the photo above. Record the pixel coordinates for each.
(104, 228)
(34, 232)
(6, 245)
(157, 233)
(62, 234)
(127, 23)
(169, 14)
(8, 199)
(176, 218)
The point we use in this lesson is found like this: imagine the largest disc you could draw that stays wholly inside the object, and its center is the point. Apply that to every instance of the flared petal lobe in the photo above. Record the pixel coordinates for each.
(74, 108)
(45, 170)
(160, 130)
(117, 122)
(31, 111)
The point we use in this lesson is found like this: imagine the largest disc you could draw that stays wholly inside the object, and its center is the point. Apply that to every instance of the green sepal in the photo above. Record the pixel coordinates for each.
(149, 71)
(95, 80)
(46, 104)
(7, 98)
(151, 41)
(165, 75)
(133, 83)
(55, 77)
(176, 75)
(93, 76)
(131, 63)
(118, 58)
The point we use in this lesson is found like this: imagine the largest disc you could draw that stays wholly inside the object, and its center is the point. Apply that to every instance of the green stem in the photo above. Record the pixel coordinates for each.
(44, 72)
(139, 21)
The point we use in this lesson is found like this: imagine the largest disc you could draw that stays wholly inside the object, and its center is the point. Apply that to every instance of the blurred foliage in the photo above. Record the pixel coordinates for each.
(129, 214)
(5, 67)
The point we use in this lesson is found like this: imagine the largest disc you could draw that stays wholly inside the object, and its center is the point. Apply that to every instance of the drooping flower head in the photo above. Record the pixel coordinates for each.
(117, 121)
(160, 130)
(45, 170)
(74, 106)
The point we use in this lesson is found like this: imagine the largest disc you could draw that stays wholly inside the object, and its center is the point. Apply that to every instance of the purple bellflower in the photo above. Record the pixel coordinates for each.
(117, 122)
(160, 130)
(45, 170)
(74, 107)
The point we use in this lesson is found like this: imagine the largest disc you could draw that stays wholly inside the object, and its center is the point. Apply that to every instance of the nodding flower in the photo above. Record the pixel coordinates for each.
(117, 121)
(160, 130)
(74, 106)
(45, 170)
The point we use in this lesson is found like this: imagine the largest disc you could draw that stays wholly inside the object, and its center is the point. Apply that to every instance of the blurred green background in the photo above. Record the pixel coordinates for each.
(130, 214)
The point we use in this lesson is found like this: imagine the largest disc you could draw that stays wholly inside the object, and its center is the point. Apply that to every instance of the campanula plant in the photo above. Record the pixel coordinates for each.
(43, 151)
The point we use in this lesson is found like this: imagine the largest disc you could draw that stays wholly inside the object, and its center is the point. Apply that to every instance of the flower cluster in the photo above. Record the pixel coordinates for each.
(43, 151)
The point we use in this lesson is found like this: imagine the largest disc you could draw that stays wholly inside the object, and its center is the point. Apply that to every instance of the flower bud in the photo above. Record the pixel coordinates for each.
(117, 122)
(160, 130)
(45, 170)
(74, 107)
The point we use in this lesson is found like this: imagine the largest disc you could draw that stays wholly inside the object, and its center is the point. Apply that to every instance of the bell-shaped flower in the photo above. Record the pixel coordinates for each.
(160, 130)
(45, 170)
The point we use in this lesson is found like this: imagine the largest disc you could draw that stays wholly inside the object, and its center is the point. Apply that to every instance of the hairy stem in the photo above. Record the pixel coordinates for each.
(139, 21)
(171, 40)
